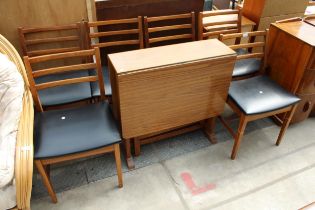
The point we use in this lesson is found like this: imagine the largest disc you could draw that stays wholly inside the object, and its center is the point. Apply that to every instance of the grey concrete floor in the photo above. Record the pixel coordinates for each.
(187, 172)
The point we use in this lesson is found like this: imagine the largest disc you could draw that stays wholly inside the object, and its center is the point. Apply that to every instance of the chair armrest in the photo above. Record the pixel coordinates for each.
(24, 154)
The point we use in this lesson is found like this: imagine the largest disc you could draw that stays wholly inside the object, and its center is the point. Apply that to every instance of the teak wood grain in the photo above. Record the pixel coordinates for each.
(186, 85)
(291, 62)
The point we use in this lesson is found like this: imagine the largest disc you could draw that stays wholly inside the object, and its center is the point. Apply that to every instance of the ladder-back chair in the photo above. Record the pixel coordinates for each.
(76, 132)
(249, 62)
(113, 36)
(213, 23)
(163, 29)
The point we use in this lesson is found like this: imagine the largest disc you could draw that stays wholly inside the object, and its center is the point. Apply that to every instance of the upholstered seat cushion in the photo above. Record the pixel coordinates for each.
(259, 95)
(66, 93)
(245, 67)
(68, 131)
(95, 87)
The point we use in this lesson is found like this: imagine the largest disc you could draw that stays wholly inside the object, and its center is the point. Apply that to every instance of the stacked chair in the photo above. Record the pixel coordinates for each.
(213, 23)
(248, 64)
(256, 97)
(113, 34)
(58, 39)
(70, 133)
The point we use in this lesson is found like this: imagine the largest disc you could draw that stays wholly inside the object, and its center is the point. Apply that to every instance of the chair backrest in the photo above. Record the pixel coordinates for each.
(213, 23)
(257, 43)
(62, 69)
(111, 33)
(38, 41)
(160, 29)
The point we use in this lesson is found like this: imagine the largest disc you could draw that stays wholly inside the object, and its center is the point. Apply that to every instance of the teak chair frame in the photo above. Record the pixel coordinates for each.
(96, 35)
(235, 28)
(249, 47)
(25, 42)
(245, 119)
(43, 165)
(149, 30)
(289, 20)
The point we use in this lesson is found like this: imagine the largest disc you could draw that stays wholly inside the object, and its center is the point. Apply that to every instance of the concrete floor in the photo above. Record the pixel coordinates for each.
(262, 177)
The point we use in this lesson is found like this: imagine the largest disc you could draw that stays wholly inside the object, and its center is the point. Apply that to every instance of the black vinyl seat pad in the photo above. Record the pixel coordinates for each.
(259, 95)
(69, 131)
(247, 66)
(66, 93)
(95, 87)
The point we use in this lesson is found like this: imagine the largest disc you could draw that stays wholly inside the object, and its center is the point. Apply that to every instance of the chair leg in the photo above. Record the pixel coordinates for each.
(137, 146)
(286, 122)
(46, 180)
(239, 136)
(118, 165)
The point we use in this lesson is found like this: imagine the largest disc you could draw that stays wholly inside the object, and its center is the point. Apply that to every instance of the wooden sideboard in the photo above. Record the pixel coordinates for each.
(158, 89)
(291, 62)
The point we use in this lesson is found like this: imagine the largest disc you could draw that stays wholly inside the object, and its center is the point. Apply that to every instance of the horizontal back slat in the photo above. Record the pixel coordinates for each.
(116, 43)
(111, 33)
(44, 58)
(248, 45)
(240, 35)
(52, 51)
(65, 82)
(220, 12)
(166, 38)
(50, 40)
(169, 17)
(214, 33)
(166, 28)
(250, 55)
(49, 28)
(61, 69)
(112, 22)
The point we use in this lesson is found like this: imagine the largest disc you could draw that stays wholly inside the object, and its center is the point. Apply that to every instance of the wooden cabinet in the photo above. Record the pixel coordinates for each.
(291, 62)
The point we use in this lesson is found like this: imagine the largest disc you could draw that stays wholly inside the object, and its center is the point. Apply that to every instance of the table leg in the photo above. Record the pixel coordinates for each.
(129, 159)
(208, 129)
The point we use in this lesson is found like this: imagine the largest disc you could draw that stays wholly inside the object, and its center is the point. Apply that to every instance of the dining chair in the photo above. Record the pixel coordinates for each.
(72, 133)
(38, 41)
(295, 19)
(172, 28)
(213, 23)
(249, 62)
(256, 98)
(113, 36)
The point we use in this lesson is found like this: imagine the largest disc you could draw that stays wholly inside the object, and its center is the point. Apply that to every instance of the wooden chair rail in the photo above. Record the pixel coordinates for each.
(111, 33)
(65, 82)
(116, 43)
(247, 45)
(207, 34)
(51, 40)
(52, 51)
(56, 70)
(169, 17)
(251, 55)
(221, 23)
(112, 22)
(49, 28)
(58, 56)
(220, 12)
(174, 37)
(166, 28)
(240, 35)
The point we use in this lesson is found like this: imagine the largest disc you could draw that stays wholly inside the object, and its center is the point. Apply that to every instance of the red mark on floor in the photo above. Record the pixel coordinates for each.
(190, 184)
